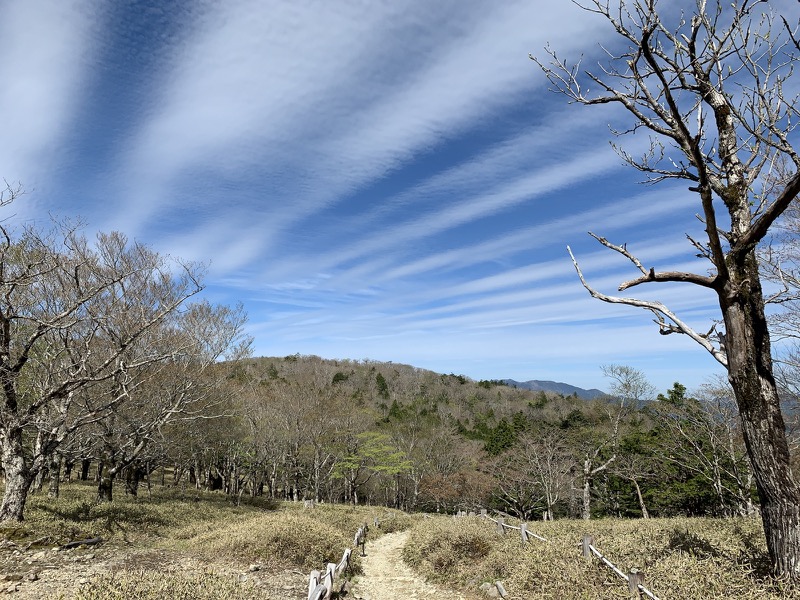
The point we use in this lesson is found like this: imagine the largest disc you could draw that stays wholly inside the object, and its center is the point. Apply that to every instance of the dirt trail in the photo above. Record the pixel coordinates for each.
(387, 577)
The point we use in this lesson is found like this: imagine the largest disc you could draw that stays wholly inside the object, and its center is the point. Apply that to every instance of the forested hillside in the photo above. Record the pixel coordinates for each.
(300, 427)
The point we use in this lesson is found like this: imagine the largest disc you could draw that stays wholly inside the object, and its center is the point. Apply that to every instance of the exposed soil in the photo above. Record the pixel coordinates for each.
(38, 573)
(387, 577)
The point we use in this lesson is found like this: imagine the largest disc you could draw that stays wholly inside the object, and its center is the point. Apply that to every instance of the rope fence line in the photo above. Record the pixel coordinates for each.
(523, 528)
(320, 587)
(634, 577)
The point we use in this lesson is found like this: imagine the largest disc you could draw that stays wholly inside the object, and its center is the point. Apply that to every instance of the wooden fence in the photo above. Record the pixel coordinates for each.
(634, 577)
(320, 587)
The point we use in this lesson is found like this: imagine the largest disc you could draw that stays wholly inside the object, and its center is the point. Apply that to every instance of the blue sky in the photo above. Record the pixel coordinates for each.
(373, 179)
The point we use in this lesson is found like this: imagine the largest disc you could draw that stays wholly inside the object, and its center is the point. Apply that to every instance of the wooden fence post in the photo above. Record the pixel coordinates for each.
(318, 593)
(523, 532)
(587, 541)
(329, 574)
(345, 562)
(501, 526)
(484, 512)
(360, 539)
(635, 579)
(313, 582)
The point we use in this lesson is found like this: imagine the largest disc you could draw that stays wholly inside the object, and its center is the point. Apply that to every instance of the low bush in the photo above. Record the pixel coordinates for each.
(345, 518)
(278, 539)
(77, 515)
(446, 550)
(392, 521)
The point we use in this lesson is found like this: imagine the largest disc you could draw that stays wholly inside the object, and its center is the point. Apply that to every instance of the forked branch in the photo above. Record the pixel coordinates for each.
(651, 274)
(667, 321)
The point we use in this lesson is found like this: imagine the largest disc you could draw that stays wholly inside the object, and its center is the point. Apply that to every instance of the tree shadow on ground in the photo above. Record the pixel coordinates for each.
(683, 540)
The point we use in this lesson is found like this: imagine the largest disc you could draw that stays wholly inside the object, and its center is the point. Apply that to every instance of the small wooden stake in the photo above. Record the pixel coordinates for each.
(587, 541)
(313, 582)
(523, 532)
(329, 575)
(501, 526)
(635, 579)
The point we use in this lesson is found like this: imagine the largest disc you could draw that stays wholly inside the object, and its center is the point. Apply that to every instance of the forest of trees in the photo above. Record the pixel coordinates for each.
(102, 345)
(301, 427)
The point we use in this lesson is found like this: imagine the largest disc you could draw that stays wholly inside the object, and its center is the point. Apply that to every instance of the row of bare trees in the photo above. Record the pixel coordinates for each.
(101, 345)
(343, 431)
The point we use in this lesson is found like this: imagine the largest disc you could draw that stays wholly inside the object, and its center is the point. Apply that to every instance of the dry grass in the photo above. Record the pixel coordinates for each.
(156, 585)
(207, 544)
(77, 515)
(683, 559)
(281, 539)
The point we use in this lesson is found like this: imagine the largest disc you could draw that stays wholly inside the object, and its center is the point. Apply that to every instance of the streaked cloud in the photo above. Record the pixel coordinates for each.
(384, 179)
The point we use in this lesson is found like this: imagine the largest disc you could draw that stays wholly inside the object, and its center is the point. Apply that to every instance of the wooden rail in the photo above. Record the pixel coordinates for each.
(320, 587)
(634, 577)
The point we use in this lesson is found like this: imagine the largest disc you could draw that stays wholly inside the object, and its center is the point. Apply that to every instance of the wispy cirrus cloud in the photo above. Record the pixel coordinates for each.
(44, 69)
(330, 94)
(387, 179)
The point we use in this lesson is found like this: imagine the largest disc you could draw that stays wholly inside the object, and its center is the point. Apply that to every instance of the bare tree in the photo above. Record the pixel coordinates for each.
(189, 385)
(629, 387)
(710, 90)
(71, 314)
(550, 462)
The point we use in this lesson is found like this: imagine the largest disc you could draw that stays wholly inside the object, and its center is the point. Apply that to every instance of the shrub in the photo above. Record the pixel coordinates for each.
(277, 539)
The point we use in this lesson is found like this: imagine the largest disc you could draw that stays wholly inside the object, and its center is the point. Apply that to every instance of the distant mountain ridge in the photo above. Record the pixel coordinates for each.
(555, 386)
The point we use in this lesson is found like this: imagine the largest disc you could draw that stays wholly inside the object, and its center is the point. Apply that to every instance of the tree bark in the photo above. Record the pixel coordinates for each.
(86, 463)
(55, 475)
(133, 476)
(642, 505)
(105, 488)
(586, 511)
(751, 375)
(18, 475)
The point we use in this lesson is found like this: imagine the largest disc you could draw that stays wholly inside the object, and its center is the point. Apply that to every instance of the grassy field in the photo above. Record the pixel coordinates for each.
(682, 559)
(183, 544)
(179, 543)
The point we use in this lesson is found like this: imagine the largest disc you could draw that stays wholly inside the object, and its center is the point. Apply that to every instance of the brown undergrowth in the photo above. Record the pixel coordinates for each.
(173, 543)
(682, 559)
